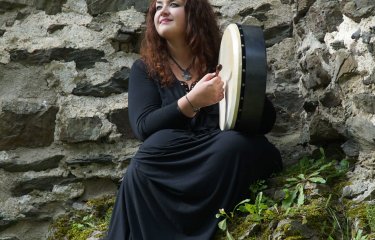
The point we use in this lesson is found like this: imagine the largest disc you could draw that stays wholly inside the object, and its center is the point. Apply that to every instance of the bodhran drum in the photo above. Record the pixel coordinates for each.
(244, 72)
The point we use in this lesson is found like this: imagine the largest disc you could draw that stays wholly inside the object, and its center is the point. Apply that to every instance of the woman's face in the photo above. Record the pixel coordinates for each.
(169, 18)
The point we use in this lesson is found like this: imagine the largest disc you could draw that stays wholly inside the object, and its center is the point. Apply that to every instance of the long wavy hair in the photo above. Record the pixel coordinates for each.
(202, 36)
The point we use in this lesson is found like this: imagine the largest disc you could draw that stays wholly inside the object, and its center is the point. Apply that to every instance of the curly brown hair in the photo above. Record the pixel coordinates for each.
(202, 36)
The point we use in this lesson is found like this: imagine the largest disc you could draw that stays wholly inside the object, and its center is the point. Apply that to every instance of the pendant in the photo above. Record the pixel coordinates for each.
(186, 75)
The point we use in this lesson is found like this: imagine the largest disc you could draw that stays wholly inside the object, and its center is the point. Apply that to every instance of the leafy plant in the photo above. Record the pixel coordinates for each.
(257, 187)
(357, 233)
(255, 210)
(228, 217)
(294, 191)
(297, 180)
(311, 172)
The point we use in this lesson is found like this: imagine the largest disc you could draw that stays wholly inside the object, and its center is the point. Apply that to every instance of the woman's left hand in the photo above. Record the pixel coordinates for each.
(208, 91)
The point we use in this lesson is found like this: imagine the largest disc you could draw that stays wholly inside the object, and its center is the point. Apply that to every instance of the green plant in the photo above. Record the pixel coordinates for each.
(357, 233)
(311, 171)
(255, 210)
(322, 214)
(223, 224)
(294, 191)
(257, 187)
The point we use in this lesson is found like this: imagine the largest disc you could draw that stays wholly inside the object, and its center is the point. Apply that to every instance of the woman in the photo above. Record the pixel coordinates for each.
(187, 168)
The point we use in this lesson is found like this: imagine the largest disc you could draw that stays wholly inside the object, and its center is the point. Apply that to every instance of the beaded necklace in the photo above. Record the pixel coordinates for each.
(186, 86)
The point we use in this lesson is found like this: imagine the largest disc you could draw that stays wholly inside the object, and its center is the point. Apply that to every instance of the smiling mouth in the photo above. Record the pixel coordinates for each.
(165, 21)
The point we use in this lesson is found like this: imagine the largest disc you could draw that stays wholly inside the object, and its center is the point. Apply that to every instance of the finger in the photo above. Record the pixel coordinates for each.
(208, 76)
(221, 97)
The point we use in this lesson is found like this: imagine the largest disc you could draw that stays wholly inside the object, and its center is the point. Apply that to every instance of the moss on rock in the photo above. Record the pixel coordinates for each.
(92, 221)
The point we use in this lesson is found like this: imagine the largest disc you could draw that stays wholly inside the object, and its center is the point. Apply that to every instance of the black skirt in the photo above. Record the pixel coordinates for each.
(186, 169)
(179, 180)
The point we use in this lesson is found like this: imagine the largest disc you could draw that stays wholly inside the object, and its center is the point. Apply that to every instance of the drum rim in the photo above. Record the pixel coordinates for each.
(224, 121)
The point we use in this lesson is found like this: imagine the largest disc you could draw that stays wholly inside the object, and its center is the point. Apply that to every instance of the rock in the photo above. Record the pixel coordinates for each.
(290, 228)
(302, 8)
(19, 83)
(338, 45)
(31, 160)
(362, 129)
(277, 23)
(366, 37)
(323, 17)
(50, 7)
(356, 190)
(100, 159)
(9, 238)
(68, 191)
(96, 7)
(116, 85)
(370, 79)
(277, 34)
(288, 120)
(26, 124)
(310, 106)
(7, 5)
(322, 131)
(81, 129)
(356, 35)
(351, 148)
(42, 181)
(4, 224)
(358, 9)
(127, 40)
(345, 66)
(97, 188)
(331, 99)
(244, 7)
(317, 76)
(84, 58)
(120, 118)
(365, 102)
(55, 27)
(280, 59)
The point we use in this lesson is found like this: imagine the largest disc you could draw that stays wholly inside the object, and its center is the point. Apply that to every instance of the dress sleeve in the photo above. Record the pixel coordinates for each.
(146, 113)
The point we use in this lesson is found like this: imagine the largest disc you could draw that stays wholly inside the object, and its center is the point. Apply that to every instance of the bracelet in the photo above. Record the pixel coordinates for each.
(192, 106)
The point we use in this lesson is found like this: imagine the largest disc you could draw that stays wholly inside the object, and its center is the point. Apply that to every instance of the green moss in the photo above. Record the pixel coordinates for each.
(358, 212)
(80, 224)
(370, 213)
(313, 214)
(295, 238)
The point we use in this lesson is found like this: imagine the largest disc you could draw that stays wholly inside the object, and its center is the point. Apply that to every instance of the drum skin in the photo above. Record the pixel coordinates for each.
(244, 61)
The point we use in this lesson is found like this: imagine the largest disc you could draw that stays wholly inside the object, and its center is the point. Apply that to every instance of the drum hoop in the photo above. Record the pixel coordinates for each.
(254, 79)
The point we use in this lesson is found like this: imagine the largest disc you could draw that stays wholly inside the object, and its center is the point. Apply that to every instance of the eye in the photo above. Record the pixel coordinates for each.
(158, 7)
(175, 4)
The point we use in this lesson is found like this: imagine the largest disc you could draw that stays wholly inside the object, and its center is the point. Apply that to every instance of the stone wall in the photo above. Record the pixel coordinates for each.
(64, 67)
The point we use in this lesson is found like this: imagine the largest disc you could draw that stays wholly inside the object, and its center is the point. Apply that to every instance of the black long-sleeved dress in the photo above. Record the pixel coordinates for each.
(186, 169)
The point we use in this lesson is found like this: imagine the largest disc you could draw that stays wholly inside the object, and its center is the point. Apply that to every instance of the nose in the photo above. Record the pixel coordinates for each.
(165, 10)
